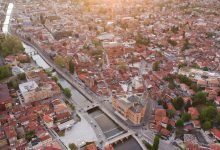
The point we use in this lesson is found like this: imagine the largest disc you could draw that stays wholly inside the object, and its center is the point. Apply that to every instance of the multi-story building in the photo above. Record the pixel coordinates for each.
(31, 91)
(130, 108)
(36, 75)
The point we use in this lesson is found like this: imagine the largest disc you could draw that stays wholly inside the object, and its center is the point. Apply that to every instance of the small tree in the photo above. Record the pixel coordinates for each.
(21, 76)
(156, 66)
(207, 125)
(54, 78)
(71, 66)
(156, 143)
(59, 60)
(179, 123)
(178, 103)
(169, 127)
(186, 116)
(172, 42)
(67, 92)
(42, 19)
(199, 98)
(29, 135)
(73, 146)
(170, 113)
(205, 69)
(185, 44)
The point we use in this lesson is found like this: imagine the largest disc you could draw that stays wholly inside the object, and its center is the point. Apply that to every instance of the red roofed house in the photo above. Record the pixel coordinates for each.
(165, 132)
(45, 138)
(194, 113)
(216, 133)
(11, 134)
(214, 146)
(164, 122)
(52, 146)
(5, 98)
(91, 147)
(48, 120)
(109, 147)
(217, 101)
(159, 114)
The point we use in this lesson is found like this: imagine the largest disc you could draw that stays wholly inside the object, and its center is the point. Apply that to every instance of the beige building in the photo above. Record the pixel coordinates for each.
(130, 108)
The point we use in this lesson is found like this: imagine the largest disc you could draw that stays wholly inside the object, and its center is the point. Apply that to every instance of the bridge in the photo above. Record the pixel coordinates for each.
(120, 138)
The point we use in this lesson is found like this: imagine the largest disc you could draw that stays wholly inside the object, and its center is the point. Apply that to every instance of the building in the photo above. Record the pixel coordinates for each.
(129, 108)
(31, 91)
(48, 120)
(10, 134)
(216, 133)
(5, 98)
(193, 112)
(3, 140)
(35, 75)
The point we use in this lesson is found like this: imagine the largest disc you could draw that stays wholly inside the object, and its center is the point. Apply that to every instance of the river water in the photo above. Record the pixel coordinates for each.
(107, 125)
(127, 144)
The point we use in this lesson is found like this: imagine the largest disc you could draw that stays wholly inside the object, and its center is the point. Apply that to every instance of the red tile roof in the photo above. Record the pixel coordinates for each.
(214, 146)
(109, 147)
(216, 132)
(47, 118)
(10, 132)
(91, 147)
(165, 132)
(194, 112)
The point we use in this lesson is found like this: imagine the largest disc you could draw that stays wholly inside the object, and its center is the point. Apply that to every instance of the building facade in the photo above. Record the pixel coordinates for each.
(130, 108)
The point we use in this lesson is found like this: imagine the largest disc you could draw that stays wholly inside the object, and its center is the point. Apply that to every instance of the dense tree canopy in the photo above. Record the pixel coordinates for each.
(59, 60)
(5, 71)
(11, 45)
(179, 123)
(178, 103)
(186, 117)
(199, 98)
